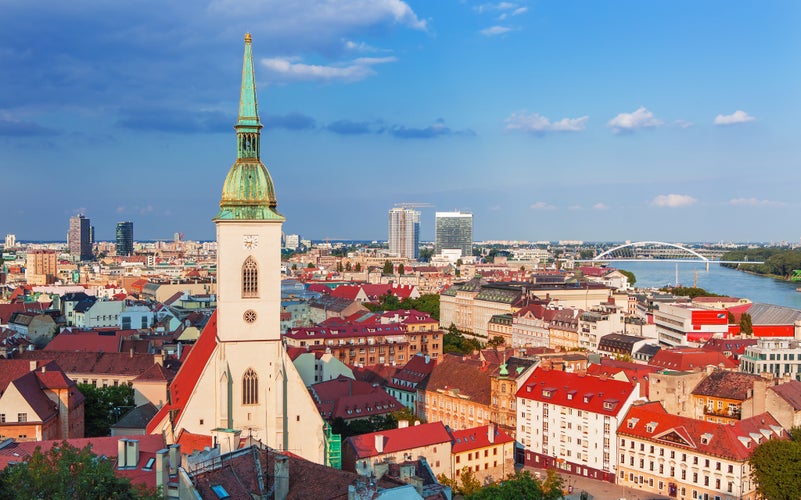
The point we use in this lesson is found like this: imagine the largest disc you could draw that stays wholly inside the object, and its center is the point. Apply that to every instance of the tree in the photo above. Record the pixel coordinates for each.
(629, 275)
(552, 486)
(459, 263)
(746, 326)
(103, 406)
(495, 342)
(401, 269)
(470, 483)
(67, 472)
(339, 267)
(775, 465)
(358, 267)
(348, 267)
(309, 266)
(518, 485)
(388, 268)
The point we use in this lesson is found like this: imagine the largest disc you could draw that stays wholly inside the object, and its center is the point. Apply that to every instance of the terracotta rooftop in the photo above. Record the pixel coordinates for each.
(790, 392)
(685, 359)
(349, 399)
(727, 385)
(469, 376)
(476, 438)
(734, 441)
(395, 440)
(573, 390)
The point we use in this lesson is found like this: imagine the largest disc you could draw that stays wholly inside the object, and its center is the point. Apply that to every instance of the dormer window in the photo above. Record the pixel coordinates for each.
(706, 438)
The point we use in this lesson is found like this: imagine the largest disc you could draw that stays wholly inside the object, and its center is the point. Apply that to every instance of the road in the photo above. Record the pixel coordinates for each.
(598, 490)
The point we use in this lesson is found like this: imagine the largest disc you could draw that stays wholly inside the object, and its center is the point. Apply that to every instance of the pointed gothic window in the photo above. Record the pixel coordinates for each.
(250, 388)
(250, 278)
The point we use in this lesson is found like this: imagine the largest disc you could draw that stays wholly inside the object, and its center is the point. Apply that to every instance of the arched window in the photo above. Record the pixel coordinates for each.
(250, 278)
(250, 388)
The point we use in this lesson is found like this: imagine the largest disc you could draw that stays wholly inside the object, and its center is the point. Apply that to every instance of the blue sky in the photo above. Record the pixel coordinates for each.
(620, 120)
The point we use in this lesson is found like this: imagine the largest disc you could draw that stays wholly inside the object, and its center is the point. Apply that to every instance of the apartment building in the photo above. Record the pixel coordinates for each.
(567, 421)
(486, 451)
(687, 458)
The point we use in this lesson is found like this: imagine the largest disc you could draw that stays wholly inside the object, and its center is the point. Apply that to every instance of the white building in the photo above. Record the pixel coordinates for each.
(568, 421)
(404, 232)
(778, 357)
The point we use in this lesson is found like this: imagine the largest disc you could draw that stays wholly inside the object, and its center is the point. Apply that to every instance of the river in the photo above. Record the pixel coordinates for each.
(719, 280)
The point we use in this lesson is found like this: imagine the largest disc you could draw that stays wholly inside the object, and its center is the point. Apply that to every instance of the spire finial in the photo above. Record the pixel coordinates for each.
(247, 38)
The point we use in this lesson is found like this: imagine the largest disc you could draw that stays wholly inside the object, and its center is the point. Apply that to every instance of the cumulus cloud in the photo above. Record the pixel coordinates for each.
(284, 69)
(348, 127)
(629, 122)
(754, 202)
(673, 200)
(495, 30)
(600, 206)
(437, 129)
(535, 123)
(541, 205)
(738, 116)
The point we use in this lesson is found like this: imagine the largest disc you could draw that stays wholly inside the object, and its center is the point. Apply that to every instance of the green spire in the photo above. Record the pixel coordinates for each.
(248, 192)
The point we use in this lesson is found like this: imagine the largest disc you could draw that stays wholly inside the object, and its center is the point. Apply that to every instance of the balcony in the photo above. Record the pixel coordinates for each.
(723, 413)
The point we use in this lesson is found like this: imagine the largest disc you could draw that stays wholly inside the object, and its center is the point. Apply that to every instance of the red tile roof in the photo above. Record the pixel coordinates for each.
(191, 442)
(573, 390)
(349, 399)
(727, 385)
(88, 341)
(395, 440)
(734, 441)
(688, 358)
(790, 392)
(184, 382)
(101, 446)
(476, 438)
(468, 375)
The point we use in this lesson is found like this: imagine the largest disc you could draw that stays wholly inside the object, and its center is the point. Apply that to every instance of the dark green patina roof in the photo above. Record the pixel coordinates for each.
(248, 192)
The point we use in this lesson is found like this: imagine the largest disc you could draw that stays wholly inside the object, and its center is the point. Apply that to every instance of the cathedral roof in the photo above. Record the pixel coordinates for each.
(248, 192)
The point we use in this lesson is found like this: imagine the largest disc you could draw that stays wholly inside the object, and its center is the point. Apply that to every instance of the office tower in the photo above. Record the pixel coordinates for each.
(11, 241)
(79, 238)
(454, 231)
(125, 239)
(404, 232)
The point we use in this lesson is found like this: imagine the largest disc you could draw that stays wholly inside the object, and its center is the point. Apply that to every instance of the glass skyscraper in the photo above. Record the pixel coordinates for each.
(454, 231)
(79, 237)
(125, 239)
(404, 232)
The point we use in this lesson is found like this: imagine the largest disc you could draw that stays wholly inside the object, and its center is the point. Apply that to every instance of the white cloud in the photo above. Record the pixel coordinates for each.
(495, 30)
(628, 122)
(754, 202)
(738, 116)
(673, 200)
(519, 10)
(541, 205)
(600, 206)
(538, 124)
(285, 69)
(361, 47)
(682, 124)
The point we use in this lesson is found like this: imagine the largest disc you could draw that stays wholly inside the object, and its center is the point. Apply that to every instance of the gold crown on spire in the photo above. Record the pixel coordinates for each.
(247, 38)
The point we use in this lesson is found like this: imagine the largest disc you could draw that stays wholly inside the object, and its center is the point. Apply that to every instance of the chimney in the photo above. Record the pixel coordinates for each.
(132, 453)
(131, 352)
(402, 424)
(491, 432)
(379, 443)
(121, 456)
(281, 482)
(175, 458)
(32, 365)
(44, 369)
(162, 468)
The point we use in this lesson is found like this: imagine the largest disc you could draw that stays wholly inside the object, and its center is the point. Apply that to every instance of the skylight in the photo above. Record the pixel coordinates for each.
(220, 491)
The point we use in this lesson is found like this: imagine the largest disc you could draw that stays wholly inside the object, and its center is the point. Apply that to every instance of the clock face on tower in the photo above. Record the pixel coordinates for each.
(250, 241)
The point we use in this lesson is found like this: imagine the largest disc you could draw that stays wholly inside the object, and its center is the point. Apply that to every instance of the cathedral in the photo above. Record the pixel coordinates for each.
(238, 381)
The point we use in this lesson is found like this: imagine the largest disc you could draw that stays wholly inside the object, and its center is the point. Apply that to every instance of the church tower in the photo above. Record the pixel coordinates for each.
(238, 380)
(248, 232)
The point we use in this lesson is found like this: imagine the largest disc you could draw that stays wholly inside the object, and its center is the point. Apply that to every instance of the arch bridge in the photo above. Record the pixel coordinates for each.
(660, 251)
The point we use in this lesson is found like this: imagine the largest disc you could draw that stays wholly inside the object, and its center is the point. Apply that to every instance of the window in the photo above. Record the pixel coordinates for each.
(250, 278)
(2, 418)
(250, 388)
(22, 417)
